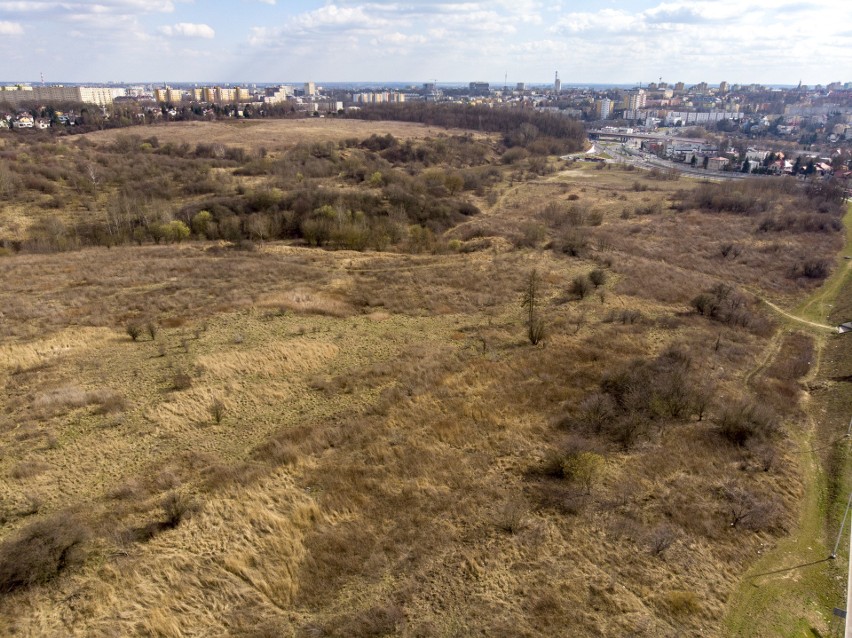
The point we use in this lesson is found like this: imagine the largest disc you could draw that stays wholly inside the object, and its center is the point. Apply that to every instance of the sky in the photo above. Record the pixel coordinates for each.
(589, 41)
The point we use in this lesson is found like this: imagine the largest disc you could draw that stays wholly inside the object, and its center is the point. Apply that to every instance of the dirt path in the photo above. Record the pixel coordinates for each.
(790, 589)
(783, 312)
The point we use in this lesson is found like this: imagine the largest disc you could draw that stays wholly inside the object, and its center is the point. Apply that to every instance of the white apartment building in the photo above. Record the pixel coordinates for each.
(100, 95)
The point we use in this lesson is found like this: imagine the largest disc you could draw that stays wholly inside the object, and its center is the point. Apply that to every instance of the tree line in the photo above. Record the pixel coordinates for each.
(543, 133)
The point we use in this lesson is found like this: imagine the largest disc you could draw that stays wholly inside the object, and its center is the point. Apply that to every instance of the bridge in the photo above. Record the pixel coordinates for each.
(621, 136)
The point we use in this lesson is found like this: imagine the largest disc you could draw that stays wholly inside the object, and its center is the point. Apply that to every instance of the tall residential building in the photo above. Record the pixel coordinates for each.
(603, 108)
(521, 86)
(557, 84)
(635, 100)
(723, 87)
(101, 96)
(174, 96)
(242, 95)
(310, 89)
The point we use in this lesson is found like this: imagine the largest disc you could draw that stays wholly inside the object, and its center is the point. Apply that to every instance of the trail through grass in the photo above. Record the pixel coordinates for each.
(818, 305)
(791, 590)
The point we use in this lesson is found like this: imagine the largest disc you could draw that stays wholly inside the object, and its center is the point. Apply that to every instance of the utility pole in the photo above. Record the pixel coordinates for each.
(848, 633)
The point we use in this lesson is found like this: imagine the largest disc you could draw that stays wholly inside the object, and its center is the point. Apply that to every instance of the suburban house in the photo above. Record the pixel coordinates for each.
(717, 163)
(755, 155)
(24, 120)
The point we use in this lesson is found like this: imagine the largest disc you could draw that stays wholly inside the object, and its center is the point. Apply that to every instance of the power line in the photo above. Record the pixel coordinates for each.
(842, 524)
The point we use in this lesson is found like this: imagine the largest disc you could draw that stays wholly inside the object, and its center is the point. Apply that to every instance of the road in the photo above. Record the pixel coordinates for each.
(648, 162)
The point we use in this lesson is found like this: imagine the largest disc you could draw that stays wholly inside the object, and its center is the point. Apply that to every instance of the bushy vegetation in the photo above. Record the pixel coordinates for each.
(784, 204)
(41, 551)
(644, 396)
(167, 193)
(724, 304)
(539, 133)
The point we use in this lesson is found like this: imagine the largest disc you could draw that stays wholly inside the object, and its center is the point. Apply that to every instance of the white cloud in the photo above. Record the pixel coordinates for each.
(10, 28)
(188, 30)
(78, 7)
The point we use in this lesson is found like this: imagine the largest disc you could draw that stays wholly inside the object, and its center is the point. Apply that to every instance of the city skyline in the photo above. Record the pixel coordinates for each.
(623, 42)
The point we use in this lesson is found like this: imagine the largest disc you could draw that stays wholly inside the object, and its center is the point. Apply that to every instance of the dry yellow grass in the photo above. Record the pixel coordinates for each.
(378, 465)
(272, 134)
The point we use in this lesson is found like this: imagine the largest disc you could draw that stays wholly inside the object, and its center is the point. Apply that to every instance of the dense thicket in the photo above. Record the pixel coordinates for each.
(539, 132)
(356, 194)
(782, 204)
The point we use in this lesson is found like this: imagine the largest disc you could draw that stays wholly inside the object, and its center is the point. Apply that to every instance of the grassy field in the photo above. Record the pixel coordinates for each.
(312, 442)
(273, 134)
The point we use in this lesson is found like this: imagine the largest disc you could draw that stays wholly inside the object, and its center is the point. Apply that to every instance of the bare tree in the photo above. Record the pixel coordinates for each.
(535, 325)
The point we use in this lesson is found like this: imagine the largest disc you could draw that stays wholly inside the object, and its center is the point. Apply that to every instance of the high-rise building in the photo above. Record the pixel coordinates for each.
(174, 96)
(521, 86)
(635, 100)
(603, 108)
(723, 87)
(225, 95)
(310, 89)
(557, 84)
(480, 88)
(99, 95)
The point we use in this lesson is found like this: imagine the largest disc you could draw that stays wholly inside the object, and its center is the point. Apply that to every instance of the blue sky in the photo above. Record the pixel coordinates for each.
(617, 41)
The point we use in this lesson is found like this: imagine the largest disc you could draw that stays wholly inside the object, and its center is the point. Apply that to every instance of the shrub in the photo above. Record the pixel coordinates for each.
(152, 329)
(133, 330)
(41, 551)
(724, 304)
(514, 155)
(581, 286)
(176, 231)
(597, 277)
(682, 603)
(744, 508)
(595, 412)
(571, 242)
(217, 410)
(201, 222)
(511, 517)
(812, 269)
(741, 422)
(626, 317)
(176, 508)
(583, 469)
(660, 539)
(181, 380)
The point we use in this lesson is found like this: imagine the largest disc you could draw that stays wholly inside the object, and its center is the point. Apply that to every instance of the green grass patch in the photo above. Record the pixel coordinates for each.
(818, 306)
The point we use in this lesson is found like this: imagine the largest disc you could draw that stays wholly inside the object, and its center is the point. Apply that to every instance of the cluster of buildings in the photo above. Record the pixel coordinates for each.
(19, 94)
(801, 115)
(25, 120)
(381, 97)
